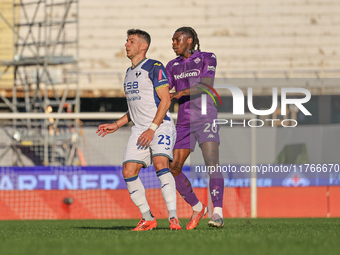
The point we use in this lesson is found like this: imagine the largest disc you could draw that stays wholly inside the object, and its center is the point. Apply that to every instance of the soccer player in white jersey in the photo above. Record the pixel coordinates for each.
(153, 134)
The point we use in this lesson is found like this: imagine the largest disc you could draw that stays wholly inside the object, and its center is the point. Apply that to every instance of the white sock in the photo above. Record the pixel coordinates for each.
(137, 194)
(198, 207)
(218, 210)
(168, 190)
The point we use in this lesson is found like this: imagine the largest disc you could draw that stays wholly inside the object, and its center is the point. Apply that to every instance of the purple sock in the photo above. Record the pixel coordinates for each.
(216, 186)
(184, 188)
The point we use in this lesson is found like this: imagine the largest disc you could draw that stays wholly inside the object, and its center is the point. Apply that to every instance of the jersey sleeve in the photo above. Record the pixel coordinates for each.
(170, 76)
(210, 64)
(157, 75)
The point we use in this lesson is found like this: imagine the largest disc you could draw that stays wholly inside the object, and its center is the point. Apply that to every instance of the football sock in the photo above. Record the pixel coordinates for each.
(198, 207)
(168, 190)
(216, 186)
(137, 194)
(218, 210)
(172, 214)
(184, 188)
(147, 216)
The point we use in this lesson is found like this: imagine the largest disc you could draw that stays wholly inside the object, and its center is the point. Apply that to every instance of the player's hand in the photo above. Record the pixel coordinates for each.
(145, 138)
(174, 95)
(105, 129)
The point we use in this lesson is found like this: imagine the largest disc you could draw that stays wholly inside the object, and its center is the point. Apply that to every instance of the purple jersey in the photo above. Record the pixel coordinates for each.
(185, 73)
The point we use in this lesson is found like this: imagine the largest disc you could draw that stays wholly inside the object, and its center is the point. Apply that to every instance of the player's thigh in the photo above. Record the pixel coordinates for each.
(210, 152)
(208, 139)
(163, 142)
(134, 153)
(182, 138)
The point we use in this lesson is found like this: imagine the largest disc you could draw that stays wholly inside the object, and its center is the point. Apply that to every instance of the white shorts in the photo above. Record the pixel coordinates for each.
(161, 145)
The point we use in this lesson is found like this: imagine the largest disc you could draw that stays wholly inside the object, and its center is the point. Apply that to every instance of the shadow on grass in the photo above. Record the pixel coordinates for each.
(116, 228)
(107, 228)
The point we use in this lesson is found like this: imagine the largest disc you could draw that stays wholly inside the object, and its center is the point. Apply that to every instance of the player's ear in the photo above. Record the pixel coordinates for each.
(190, 40)
(145, 46)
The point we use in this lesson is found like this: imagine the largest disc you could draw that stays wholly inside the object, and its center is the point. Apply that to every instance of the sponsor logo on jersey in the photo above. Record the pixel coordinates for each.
(138, 73)
(197, 60)
(161, 76)
(175, 64)
(131, 87)
(129, 99)
(211, 136)
(295, 180)
(211, 68)
(133, 91)
(188, 74)
(157, 64)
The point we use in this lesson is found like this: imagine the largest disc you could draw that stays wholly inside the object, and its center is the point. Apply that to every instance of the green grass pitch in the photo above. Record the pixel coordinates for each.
(239, 236)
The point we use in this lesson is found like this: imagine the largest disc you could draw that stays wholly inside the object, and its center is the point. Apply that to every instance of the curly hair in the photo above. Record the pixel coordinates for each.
(192, 34)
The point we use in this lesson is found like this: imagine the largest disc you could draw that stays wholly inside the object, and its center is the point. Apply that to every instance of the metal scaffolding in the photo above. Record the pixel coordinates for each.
(46, 75)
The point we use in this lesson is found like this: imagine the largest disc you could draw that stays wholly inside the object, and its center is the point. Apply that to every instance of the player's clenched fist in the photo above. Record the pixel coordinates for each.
(105, 129)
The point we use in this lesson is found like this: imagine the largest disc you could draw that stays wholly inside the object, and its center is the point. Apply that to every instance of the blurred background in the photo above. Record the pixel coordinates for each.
(62, 57)
(69, 56)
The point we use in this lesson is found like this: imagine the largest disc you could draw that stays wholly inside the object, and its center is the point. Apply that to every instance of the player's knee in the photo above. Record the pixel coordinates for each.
(160, 165)
(174, 172)
(175, 168)
(129, 171)
(211, 162)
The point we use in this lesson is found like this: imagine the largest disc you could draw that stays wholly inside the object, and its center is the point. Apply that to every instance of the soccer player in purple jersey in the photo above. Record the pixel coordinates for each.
(189, 73)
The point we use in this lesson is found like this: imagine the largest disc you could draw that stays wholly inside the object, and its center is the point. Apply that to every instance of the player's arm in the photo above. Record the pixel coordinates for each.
(194, 90)
(208, 74)
(165, 101)
(163, 107)
(105, 129)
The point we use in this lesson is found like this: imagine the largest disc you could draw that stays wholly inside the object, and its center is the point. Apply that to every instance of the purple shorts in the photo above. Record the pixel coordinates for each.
(187, 137)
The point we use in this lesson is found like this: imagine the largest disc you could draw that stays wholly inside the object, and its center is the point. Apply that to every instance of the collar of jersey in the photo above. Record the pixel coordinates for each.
(138, 63)
(191, 56)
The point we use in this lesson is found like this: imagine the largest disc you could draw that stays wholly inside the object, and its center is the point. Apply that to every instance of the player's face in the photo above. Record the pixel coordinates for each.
(133, 46)
(181, 44)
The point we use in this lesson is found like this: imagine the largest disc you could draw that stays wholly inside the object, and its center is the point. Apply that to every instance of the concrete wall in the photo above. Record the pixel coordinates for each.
(245, 35)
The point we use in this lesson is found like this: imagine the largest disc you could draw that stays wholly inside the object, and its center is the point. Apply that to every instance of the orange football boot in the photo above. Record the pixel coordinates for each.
(195, 218)
(145, 225)
(174, 224)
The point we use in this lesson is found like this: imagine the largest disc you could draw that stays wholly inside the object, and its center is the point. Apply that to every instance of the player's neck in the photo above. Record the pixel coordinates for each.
(186, 55)
(137, 60)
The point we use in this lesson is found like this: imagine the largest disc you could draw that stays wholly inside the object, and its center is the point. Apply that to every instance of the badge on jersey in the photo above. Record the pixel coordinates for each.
(197, 60)
(161, 76)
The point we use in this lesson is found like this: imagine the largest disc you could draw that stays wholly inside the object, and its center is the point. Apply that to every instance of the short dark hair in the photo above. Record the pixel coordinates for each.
(192, 34)
(140, 33)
